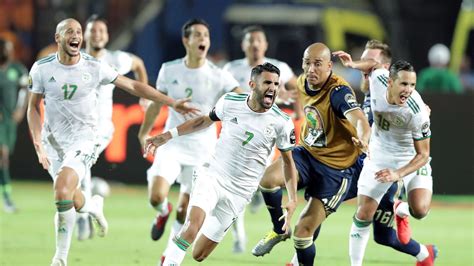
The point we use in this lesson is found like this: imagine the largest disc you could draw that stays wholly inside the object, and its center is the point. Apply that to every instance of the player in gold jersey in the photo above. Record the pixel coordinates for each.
(333, 136)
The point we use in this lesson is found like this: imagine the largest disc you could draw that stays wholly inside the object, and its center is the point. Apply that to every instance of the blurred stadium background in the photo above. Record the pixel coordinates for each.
(151, 30)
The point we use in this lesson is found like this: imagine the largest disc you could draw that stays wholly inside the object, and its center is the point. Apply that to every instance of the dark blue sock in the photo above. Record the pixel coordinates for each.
(306, 256)
(273, 201)
(387, 236)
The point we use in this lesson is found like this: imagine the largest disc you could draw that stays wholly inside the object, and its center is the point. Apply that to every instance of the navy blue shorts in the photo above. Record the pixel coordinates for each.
(325, 183)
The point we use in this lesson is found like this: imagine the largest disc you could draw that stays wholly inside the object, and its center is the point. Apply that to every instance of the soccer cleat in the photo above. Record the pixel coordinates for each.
(403, 226)
(433, 254)
(58, 262)
(266, 244)
(162, 260)
(159, 223)
(99, 217)
(9, 207)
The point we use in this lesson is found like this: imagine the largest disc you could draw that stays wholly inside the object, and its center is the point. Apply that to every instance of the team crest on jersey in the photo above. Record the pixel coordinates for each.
(86, 77)
(425, 129)
(30, 82)
(398, 121)
(269, 131)
(315, 135)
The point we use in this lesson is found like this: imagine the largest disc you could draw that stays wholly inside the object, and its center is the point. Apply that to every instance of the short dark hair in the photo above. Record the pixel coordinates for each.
(386, 52)
(400, 65)
(186, 29)
(268, 67)
(96, 18)
(252, 28)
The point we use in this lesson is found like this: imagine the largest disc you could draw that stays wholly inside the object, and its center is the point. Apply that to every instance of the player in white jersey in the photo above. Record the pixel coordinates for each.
(254, 45)
(65, 143)
(197, 78)
(399, 147)
(251, 126)
(96, 38)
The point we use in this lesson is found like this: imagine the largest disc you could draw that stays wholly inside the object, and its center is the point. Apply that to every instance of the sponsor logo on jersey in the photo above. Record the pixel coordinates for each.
(30, 82)
(234, 120)
(175, 82)
(52, 79)
(268, 132)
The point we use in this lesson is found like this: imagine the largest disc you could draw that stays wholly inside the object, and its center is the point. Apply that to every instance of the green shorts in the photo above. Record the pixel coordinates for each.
(8, 133)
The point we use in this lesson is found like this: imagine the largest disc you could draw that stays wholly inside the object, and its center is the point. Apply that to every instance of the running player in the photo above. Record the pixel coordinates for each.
(199, 79)
(223, 187)
(65, 142)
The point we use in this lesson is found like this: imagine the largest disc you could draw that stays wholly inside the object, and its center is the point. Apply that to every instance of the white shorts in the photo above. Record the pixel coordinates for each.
(172, 166)
(221, 206)
(368, 186)
(104, 136)
(80, 157)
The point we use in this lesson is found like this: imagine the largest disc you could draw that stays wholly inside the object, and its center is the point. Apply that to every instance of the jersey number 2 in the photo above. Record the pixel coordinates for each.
(69, 90)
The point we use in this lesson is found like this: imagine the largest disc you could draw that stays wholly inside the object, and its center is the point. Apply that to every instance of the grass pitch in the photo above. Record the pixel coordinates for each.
(27, 237)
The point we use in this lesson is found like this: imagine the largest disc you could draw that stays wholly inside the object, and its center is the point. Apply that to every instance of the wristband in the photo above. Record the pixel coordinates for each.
(174, 132)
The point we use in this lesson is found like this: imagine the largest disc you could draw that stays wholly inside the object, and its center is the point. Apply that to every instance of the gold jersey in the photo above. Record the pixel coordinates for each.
(326, 134)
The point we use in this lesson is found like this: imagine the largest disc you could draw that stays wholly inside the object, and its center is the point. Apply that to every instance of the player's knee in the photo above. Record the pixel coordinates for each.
(62, 193)
(156, 199)
(420, 212)
(303, 230)
(181, 214)
(199, 255)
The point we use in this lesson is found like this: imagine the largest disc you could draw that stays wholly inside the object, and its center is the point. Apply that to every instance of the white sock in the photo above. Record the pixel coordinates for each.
(238, 229)
(294, 260)
(403, 210)
(64, 224)
(358, 239)
(162, 208)
(88, 207)
(174, 231)
(175, 255)
(423, 253)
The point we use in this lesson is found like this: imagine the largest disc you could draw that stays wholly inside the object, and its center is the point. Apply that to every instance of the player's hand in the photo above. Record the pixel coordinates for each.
(142, 139)
(288, 211)
(42, 156)
(345, 58)
(387, 175)
(362, 145)
(151, 144)
(182, 106)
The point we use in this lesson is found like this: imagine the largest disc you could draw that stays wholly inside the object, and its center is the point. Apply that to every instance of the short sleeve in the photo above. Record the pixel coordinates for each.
(218, 109)
(421, 129)
(286, 138)
(343, 100)
(229, 83)
(125, 62)
(35, 84)
(161, 83)
(286, 74)
(107, 74)
(378, 78)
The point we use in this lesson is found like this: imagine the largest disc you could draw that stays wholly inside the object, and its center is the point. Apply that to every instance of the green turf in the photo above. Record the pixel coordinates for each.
(27, 237)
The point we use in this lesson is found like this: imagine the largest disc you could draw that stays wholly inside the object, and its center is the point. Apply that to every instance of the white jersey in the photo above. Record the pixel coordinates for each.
(241, 71)
(122, 63)
(246, 141)
(70, 98)
(204, 85)
(395, 127)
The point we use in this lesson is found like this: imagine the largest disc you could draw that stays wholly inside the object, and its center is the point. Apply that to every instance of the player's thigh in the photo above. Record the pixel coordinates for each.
(310, 218)
(204, 194)
(203, 247)
(368, 185)
(224, 214)
(165, 166)
(273, 175)
(185, 179)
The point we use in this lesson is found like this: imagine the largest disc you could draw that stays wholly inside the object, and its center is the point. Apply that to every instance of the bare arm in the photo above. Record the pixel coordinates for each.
(422, 148)
(289, 170)
(358, 120)
(139, 70)
(187, 127)
(146, 91)
(151, 113)
(365, 66)
(21, 105)
(34, 124)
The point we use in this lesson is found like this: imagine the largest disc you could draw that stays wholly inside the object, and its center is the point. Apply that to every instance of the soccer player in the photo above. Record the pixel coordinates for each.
(251, 126)
(195, 77)
(96, 37)
(65, 142)
(333, 135)
(399, 148)
(13, 83)
(254, 45)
